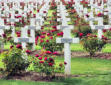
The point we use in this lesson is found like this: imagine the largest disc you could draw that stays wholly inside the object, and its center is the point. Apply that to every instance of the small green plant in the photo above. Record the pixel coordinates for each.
(13, 61)
(92, 44)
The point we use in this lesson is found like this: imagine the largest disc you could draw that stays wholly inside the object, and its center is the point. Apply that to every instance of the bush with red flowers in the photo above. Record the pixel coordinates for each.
(14, 62)
(7, 38)
(48, 40)
(45, 64)
(107, 33)
(82, 31)
(92, 44)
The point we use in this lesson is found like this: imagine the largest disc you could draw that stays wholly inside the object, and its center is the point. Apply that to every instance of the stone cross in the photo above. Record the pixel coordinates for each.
(66, 40)
(12, 21)
(24, 38)
(32, 28)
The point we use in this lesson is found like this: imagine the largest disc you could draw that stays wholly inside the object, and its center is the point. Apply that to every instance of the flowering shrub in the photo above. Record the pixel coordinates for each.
(84, 3)
(7, 38)
(45, 64)
(47, 40)
(92, 44)
(107, 33)
(13, 60)
(82, 31)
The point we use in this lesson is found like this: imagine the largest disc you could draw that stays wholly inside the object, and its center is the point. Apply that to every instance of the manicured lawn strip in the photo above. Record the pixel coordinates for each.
(18, 82)
(92, 80)
(84, 66)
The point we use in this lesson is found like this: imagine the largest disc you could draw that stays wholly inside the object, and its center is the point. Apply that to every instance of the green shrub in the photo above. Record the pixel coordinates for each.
(14, 62)
(92, 44)
(85, 29)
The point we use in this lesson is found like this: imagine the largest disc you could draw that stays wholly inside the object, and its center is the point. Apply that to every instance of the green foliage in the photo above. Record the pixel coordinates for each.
(85, 29)
(13, 61)
(92, 44)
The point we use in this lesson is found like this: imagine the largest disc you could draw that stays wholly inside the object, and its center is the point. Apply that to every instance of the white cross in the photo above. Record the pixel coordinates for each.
(33, 27)
(66, 40)
(24, 37)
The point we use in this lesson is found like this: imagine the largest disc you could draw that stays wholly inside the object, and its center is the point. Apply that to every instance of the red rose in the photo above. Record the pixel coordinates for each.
(87, 15)
(18, 35)
(28, 51)
(36, 38)
(88, 34)
(30, 12)
(9, 38)
(40, 58)
(51, 60)
(104, 30)
(47, 40)
(38, 10)
(110, 29)
(65, 63)
(4, 35)
(42, 36)
(55, 53)
(11, 46)
(50, 64)
(51, 37)
(41, 41)
(41, 61)
(54, 27)
(95, 35)
(36, 55)
(28, 31)
(48, 52)
(60, 64)
(100, 14)
(19, 46)
(34, 15)
(43, 32)
(80, 34)
(44, 11)
(48, 34)
(60, 34)
(45, 58)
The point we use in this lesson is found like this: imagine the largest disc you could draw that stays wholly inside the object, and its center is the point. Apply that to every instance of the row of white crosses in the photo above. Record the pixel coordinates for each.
(66, 37)
(24, 39)
(33, 26)
(100, 25)
(91, 18)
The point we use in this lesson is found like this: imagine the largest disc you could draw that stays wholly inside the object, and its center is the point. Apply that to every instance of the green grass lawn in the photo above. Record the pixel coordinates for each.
(94, 80)
(89, 66)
